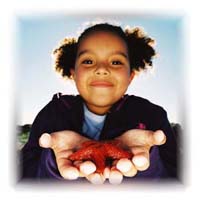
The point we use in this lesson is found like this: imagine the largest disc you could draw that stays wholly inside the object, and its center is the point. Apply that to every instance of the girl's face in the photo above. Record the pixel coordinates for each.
(102, 70)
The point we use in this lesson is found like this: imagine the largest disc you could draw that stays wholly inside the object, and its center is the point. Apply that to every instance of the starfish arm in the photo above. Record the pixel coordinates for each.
(115, 152)
(99, 158)
(82, 154)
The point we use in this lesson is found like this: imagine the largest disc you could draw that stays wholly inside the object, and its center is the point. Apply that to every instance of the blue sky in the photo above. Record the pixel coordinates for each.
(36, 81)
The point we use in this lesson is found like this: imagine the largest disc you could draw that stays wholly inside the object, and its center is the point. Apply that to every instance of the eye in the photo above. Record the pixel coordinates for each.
(116, 62)
(87, 62)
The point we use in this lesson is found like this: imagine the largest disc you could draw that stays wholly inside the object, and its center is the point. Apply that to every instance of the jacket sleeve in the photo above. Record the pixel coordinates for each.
(169, 150)
(37, 162)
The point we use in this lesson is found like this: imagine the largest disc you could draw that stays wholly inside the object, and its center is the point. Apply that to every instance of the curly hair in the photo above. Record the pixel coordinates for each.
(140, 48)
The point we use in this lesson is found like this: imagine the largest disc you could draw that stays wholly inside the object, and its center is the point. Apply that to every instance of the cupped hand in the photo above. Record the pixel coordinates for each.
(64, 143)
(139, 142)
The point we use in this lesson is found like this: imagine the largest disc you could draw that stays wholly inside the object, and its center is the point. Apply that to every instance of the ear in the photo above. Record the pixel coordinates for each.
(72, 72)
(131, 76)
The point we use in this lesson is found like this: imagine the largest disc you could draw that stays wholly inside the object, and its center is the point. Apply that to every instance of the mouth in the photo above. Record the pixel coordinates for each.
(101, 84)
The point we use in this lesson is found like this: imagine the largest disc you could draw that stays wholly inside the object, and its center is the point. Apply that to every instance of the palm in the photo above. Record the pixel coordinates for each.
(63, 143)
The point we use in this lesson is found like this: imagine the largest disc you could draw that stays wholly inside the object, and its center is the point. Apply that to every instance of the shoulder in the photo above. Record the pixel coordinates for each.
(59, 104)
(142, 108)
(142, 104)
(54, 115)
(65, 100)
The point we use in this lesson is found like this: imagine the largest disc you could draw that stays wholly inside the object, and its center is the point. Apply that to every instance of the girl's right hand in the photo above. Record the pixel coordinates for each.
(64, 143)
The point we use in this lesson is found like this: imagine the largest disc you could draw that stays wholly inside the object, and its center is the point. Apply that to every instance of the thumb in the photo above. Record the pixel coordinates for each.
(137, 137)
(45, 140)
(159, 137)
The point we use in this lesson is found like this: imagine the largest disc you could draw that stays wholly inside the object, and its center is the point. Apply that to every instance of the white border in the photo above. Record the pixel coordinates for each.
(8, 14)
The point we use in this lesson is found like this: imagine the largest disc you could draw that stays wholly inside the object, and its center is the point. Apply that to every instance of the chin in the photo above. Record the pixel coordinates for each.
(103, 102)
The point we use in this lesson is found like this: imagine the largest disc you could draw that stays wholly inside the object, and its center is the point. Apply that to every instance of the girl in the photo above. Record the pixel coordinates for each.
(102, 62)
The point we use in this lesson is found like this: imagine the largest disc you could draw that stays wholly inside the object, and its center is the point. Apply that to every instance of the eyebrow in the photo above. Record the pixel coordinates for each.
(112, 53)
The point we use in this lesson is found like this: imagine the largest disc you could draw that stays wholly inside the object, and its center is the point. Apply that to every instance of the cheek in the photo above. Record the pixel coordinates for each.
(79, 74)
(80, 78)
(123, 78)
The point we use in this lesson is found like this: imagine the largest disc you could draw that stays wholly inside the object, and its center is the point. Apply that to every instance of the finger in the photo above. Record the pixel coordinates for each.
(67, 170)
(106, 172)
(132, 172)
(115, 176)
(124, 165)
(61, 140)
(87, 167)
(141, 161)
(159, 137)
(70, 173)
(77, 164)
(65, 166)
(45, 140)
(137, 137)
(141, 157)
(96, 178)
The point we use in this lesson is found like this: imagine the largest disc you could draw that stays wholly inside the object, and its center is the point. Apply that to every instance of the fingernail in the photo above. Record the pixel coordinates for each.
(45, 140)
(131, 173)
(96, 179)
(71, 173)
(159, 136)
(87, 167)
(124, 165)
(140, 161)
(115, 177)
(106, 172)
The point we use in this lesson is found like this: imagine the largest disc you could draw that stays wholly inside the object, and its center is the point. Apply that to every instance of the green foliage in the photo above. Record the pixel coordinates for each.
(23, 137)
(23, 133)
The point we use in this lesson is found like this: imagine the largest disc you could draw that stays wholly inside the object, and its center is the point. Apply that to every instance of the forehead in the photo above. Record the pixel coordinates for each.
(102, 38)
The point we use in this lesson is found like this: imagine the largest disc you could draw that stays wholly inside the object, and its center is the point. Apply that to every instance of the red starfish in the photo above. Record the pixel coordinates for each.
(99, 153)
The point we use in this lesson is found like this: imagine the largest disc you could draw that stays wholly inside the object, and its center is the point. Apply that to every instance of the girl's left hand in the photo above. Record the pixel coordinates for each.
(139, 143)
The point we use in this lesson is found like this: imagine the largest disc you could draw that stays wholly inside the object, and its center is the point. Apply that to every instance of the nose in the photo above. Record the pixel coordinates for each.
(102, 69)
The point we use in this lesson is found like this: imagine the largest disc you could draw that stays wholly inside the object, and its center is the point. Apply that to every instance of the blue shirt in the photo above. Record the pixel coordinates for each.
(92, 124)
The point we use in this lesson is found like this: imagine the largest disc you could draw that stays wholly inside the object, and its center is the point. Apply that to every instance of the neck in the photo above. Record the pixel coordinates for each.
(98, 109)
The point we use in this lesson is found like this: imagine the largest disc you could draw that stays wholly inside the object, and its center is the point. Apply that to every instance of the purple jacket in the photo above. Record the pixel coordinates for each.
(65, 112)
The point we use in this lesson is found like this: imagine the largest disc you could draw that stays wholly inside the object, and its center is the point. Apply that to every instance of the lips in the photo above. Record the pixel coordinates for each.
(101, 84)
